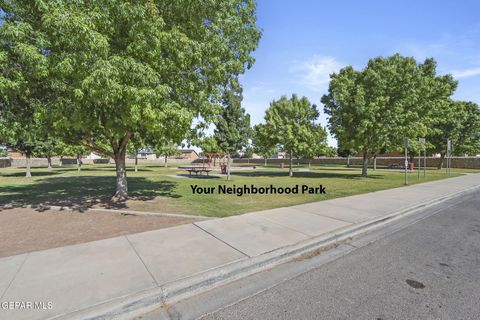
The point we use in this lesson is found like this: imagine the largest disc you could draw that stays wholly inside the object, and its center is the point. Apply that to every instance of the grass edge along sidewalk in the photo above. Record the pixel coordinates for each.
(170, 289)
(153, 188)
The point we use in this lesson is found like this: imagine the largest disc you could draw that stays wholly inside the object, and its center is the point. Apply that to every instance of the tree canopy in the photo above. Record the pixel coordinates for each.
(290, 123)
(458, 121)
(262, 144)
(375, 108)
(232, 130)
(116, 68)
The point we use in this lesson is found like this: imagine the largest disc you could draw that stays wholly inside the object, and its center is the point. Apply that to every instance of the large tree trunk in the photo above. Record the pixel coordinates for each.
(348, 161)
(442, 158)
(49, 160)
(28, 171)
(119, 148)
(61, 161)
(228, 166)
(290, 170)
(265, 161)
(166, 161)
(365, 164)
(375, 162)
(79, 163)
(121, 192)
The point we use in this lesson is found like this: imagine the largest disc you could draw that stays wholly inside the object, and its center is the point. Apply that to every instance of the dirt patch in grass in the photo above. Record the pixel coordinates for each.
(24, 230)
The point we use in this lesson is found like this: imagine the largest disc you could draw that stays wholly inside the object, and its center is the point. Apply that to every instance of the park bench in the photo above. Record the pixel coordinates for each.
(197, 170)
(395, 166)
(411, 166)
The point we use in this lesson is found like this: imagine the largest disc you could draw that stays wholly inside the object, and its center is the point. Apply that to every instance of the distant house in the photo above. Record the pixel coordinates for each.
(146, 153)
(188, 154)
(93, 156)
(279, 155)
(242, 154)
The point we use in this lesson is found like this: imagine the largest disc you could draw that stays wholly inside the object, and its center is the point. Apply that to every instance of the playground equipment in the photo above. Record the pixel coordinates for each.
(207, 160)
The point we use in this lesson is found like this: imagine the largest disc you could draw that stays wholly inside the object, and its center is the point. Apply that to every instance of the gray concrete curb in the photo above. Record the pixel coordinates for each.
(143, 302)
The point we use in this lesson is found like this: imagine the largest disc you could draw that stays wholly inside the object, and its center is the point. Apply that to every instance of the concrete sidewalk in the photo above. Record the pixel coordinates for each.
(141, 270)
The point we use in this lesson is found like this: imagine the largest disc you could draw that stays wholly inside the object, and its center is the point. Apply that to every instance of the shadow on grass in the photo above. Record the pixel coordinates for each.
(315, 175)
(83, 192)
(34, 173)
(195, 176)
(96, 168)
(330, 168)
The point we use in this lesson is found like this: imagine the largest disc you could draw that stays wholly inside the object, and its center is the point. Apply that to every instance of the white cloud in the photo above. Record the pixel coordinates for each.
(315, 72)
(471, 72)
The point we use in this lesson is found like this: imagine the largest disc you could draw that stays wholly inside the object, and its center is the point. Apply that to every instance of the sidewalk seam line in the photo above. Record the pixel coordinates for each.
(14, 276)
(221, 240)
(325, 216)
(143, 262)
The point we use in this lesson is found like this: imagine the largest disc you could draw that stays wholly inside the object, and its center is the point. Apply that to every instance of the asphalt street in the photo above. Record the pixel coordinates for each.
(428, 270)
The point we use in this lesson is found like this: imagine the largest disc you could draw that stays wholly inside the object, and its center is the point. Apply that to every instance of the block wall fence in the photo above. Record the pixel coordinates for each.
(43, 162)
(457, 162)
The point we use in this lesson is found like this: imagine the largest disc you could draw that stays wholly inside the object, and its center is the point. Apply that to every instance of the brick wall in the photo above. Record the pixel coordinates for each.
(457, 162)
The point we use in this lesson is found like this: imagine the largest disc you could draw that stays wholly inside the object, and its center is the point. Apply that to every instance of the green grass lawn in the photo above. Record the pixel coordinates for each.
(155, 188)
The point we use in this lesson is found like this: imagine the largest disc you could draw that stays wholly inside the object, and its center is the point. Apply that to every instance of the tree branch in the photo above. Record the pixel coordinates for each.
(124, 140)
(114, 144)
(100, 150)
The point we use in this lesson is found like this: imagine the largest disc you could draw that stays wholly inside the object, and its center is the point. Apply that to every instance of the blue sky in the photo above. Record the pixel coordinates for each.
(304, 41)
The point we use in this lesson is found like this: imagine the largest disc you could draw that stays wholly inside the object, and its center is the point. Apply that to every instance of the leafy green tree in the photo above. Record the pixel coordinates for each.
(167, 149)
(467, 141)
(25, 144)
(330, 151)
(75, 151)
(117, 66)
(373, 109)
(290, 123)
(61, 149)
(318, 146)
(262, 144)
(22, 68)
(458, 121)
(249, 153)
(233, 126)
(24, 137)
(345, 153)
(47, 148)
(135, 144)
(207, 144)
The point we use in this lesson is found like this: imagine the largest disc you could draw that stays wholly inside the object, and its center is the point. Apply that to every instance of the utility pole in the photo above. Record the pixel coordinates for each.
(405, 144)
(449, 153)
(424, 161)
(419, 164)
(422, 145)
